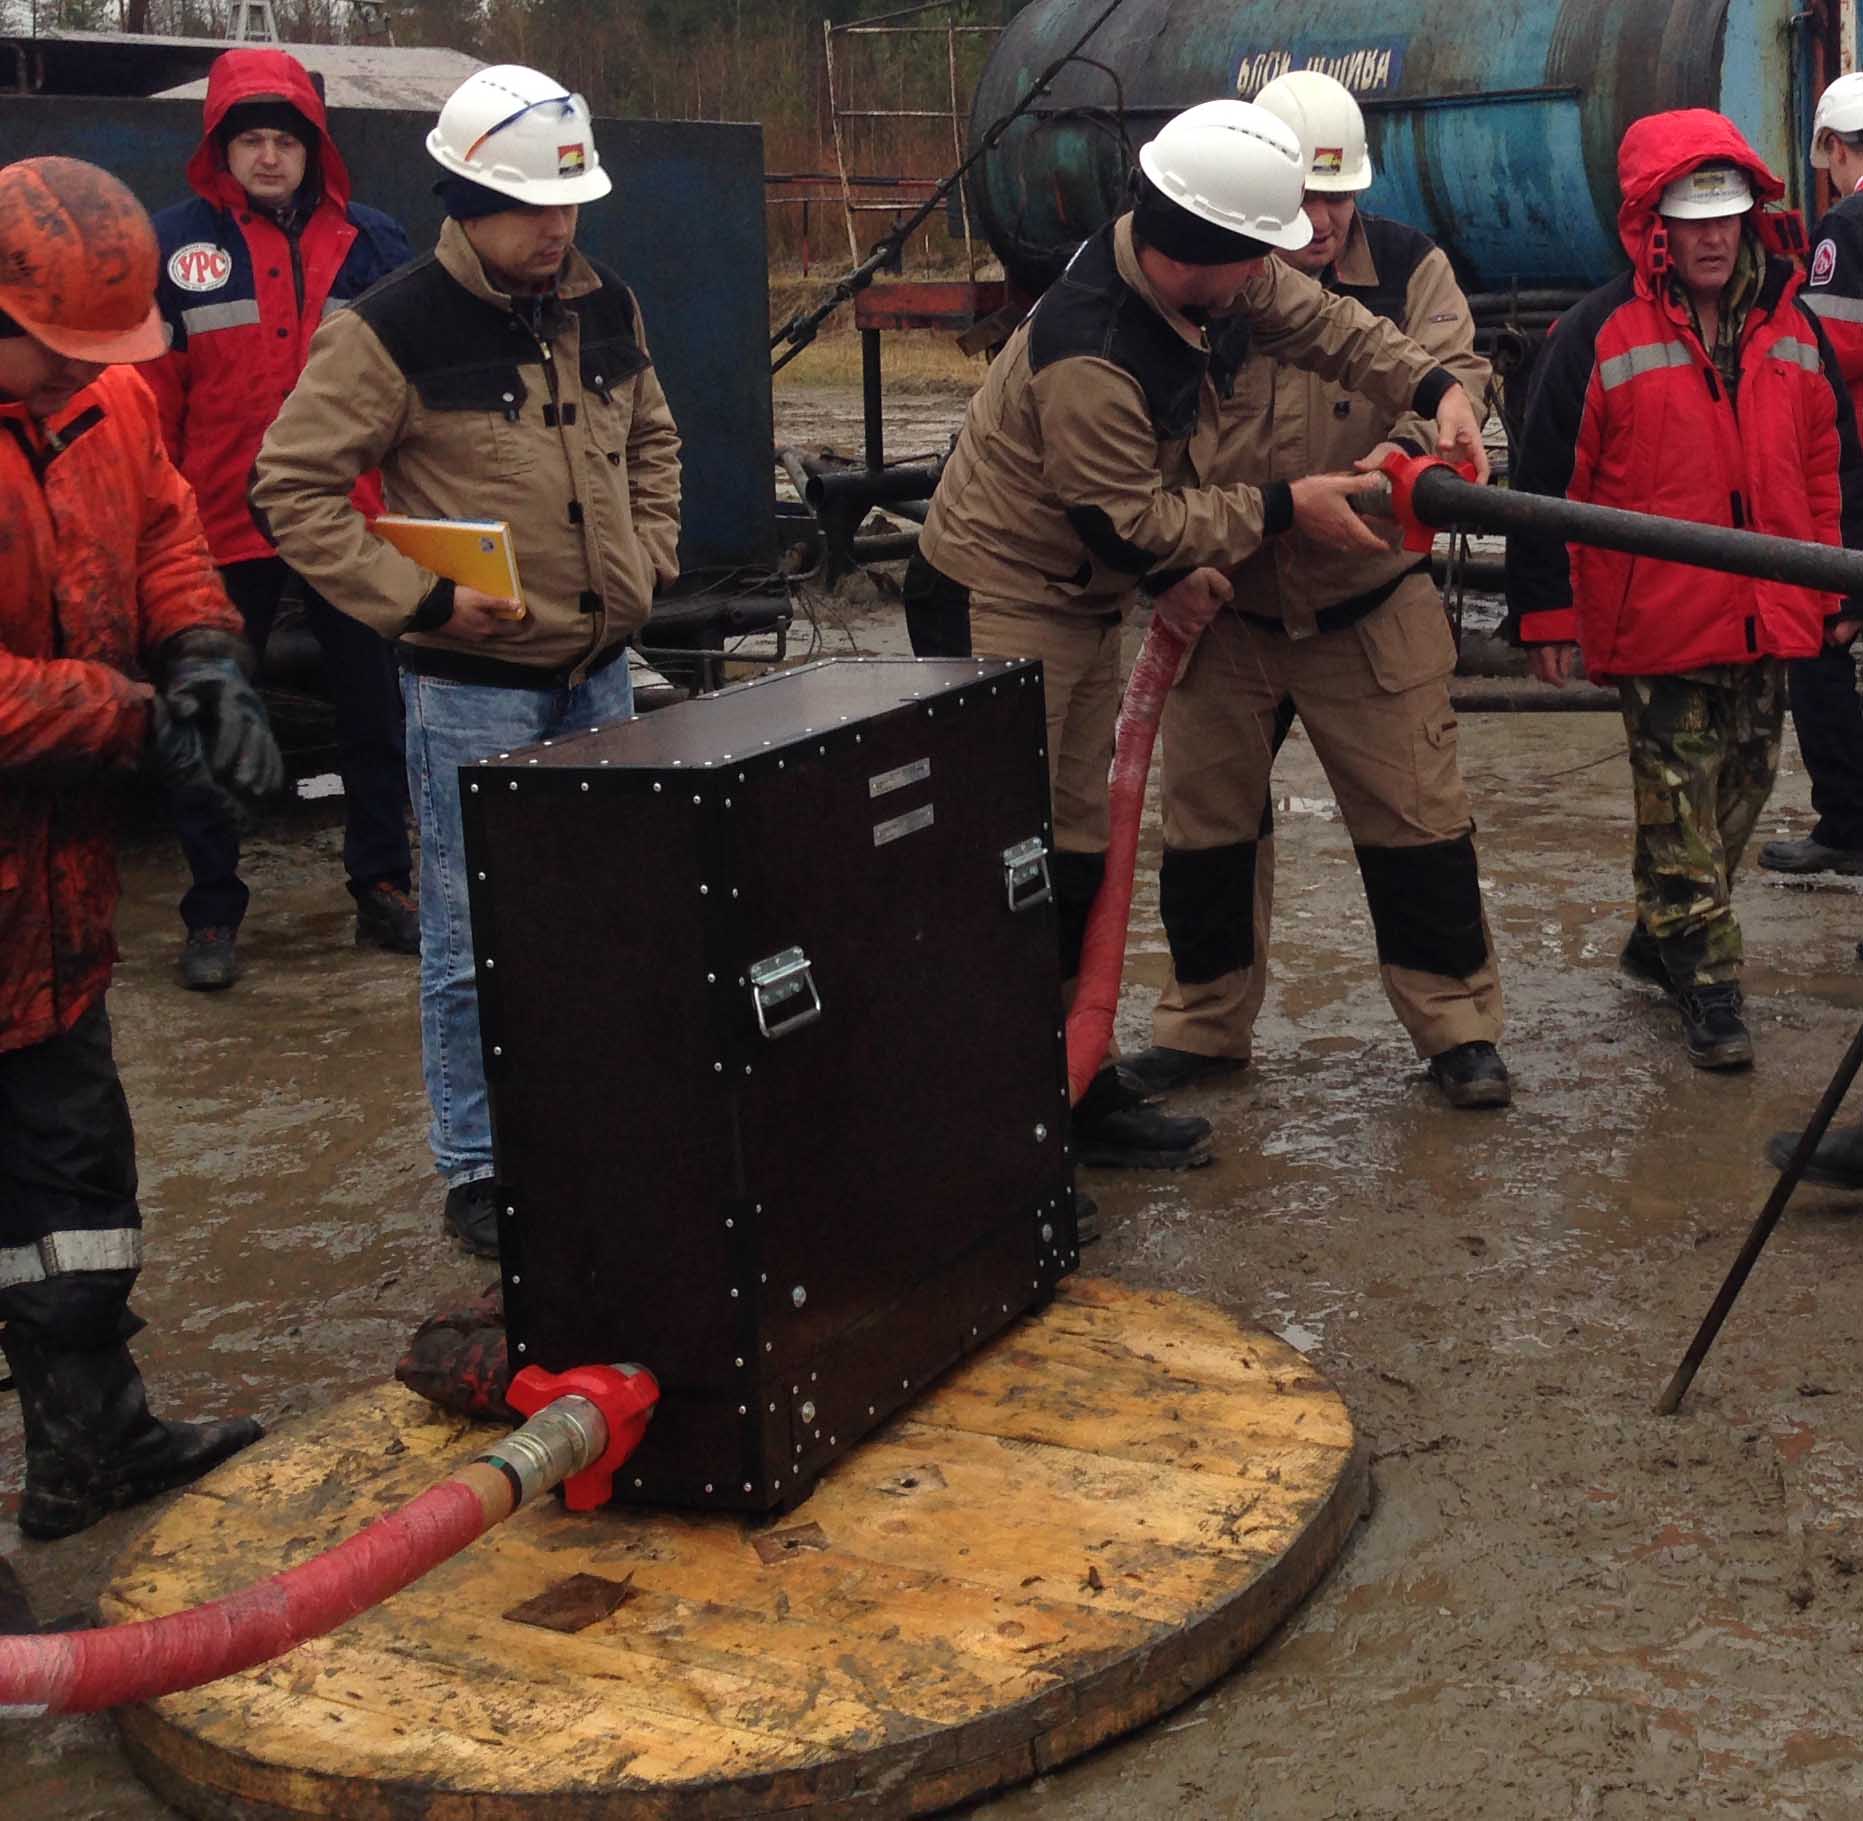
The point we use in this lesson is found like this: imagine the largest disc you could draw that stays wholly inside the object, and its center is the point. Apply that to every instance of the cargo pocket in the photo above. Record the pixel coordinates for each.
(1442, 803)
(483, 407)
(1407, 643)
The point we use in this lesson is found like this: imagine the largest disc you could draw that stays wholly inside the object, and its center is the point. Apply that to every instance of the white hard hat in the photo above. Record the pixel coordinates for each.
(519, 132)
(1840, 110)
(1707, 191)
(1329, 126)
(1236, 166)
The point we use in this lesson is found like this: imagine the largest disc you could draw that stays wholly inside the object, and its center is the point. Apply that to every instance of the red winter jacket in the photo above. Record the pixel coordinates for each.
(1628, 410)
(102, 562)
(243, 294)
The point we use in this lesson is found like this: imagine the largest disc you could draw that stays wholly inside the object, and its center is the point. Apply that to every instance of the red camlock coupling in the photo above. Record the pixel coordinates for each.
(1403, 472)
(625, 1395)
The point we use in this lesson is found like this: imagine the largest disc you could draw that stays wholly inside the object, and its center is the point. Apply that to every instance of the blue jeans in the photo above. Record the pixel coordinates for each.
(450, 725)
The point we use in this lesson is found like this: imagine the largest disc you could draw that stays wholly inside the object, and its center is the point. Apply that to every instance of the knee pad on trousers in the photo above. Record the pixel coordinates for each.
(1426, 906)
(1206, 897)
(1076, 882)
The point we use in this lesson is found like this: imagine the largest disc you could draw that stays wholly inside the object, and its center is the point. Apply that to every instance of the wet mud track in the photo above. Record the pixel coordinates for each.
(1561, 1605)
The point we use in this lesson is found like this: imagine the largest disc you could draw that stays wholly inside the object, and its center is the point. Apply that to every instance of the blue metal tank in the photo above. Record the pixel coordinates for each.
(1494, 127)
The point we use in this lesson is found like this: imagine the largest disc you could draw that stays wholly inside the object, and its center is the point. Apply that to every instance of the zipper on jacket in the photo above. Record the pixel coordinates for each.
(1714, 380)
(556, 414)
(1739, 510)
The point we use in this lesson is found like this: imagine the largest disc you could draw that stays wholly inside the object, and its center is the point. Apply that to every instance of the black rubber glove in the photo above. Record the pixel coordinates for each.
(214, 694)
(178, 756)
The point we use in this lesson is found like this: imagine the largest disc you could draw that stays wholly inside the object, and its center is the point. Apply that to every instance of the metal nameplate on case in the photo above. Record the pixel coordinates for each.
(901, 826)
(1025, 874)
(776, 980)
(884, 782)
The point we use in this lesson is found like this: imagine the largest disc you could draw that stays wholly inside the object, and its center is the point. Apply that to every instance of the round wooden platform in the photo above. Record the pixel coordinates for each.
(1086, 1523)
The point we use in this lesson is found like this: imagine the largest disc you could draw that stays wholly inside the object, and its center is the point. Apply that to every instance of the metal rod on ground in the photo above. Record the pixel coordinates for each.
(1442, 499)
(1808, 1141)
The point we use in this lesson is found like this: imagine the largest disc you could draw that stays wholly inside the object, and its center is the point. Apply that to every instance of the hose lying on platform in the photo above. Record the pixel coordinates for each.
(1103, 950)
(85, 1671)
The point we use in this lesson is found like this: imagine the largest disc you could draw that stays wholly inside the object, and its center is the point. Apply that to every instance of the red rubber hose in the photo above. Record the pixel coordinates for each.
(79, 1672)
(1103, 950)
(85, 1671)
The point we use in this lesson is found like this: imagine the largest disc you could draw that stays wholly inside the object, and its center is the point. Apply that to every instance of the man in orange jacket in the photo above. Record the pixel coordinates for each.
(105, 582)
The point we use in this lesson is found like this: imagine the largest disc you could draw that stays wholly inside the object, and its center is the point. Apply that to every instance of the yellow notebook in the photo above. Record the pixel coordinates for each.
(473, 552)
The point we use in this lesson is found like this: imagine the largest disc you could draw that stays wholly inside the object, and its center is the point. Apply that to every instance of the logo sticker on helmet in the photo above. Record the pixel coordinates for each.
(1328, 160)
(1824, 262)
(200, 266)
(571, 161)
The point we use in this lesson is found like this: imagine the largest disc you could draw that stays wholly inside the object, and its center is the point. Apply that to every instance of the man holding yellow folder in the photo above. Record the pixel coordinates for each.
(503, 377)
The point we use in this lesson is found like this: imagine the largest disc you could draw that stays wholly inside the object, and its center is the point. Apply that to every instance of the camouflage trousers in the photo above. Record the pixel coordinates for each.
(1704, 747)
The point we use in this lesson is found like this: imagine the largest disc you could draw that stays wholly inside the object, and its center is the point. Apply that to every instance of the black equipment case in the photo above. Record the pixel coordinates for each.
(769, 1000)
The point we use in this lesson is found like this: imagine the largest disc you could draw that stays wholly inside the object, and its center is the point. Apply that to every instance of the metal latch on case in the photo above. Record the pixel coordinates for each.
(1025, 874)
(773, 982)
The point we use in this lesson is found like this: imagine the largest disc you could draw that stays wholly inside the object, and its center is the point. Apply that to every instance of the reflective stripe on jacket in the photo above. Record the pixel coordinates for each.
(242, 298)
(1627, 409)
(1280, 423)
(104, 561)
(471, 413)
(1834, 288)
(1080, 471)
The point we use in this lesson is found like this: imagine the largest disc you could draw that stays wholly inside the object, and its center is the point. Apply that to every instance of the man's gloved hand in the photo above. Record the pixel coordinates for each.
(178, 756)
(213, 693)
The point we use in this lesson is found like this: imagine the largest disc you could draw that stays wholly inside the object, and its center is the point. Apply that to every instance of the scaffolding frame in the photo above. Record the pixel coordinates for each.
(886, 25)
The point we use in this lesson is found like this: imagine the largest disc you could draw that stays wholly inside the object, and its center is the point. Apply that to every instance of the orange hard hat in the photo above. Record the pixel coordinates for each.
(78, 261)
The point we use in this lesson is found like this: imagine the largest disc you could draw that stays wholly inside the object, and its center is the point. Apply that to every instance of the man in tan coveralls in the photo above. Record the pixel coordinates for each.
(1081, 476)
(1356, 643)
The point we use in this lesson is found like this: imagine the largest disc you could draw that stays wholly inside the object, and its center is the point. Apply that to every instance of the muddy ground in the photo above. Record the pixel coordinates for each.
(1560, 1605)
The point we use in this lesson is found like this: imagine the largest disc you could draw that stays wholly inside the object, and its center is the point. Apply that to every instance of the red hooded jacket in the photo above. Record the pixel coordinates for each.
(243, 294)
(102, 564)
(1628, 410)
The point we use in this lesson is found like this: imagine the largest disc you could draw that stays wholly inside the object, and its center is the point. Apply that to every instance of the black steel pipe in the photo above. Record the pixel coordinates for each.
(843, 488)
(872, 398)
(1480, 574)
(1442, 499)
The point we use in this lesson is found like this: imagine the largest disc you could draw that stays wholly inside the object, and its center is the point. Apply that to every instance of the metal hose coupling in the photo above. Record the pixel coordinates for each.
(583, 1425)
(561, 1440)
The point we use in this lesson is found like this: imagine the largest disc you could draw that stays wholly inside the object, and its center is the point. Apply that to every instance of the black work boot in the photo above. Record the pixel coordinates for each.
(1472, 1075)
(1642, 960)
(1117, 1128)
(210, 959)
(92, 1446)
(1165, 1070)
(387, 917)
(472, 1216)
(1837, 1163)
(1086, 1219)
(1712, 1028)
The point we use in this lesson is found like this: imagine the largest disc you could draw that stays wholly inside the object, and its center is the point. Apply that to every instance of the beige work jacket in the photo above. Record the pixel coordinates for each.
(1084, 461)
(1280, 423)
(436, 379)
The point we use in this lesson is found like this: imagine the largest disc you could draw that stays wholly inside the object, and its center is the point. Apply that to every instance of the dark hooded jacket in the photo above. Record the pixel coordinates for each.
(1627, 409)
(243, 290)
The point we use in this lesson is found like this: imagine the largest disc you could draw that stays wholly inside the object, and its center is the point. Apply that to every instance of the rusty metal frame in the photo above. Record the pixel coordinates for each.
(883, 25)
